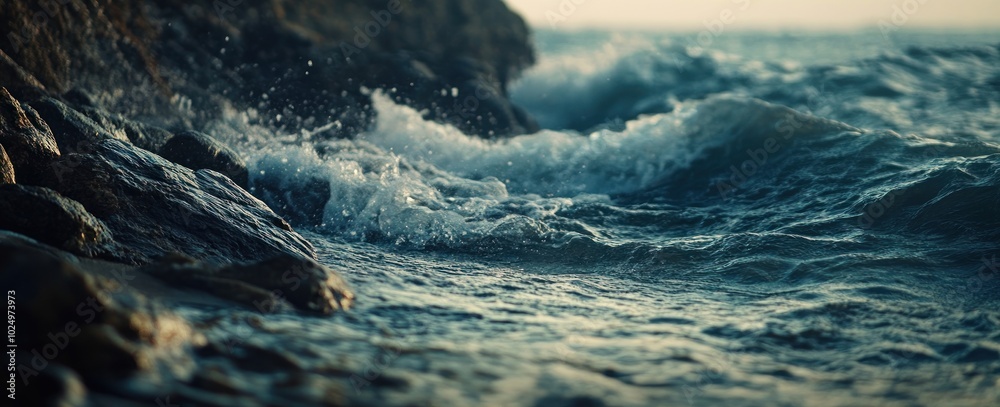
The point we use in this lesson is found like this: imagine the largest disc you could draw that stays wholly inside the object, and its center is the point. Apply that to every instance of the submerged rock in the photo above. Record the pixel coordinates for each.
(27, 139)
(265, 285)
(43, 214)
(155, 207)
(6, 168)
(198, 151)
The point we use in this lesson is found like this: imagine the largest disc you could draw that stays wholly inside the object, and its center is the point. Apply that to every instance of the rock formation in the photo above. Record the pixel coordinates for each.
(307, 61)
(105, 178)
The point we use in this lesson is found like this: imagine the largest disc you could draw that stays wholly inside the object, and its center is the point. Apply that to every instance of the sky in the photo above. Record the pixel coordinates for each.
(760, 14)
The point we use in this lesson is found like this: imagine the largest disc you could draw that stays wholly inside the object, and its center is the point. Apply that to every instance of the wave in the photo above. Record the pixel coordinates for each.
(923, 89)
(417, 183)
(717, 163)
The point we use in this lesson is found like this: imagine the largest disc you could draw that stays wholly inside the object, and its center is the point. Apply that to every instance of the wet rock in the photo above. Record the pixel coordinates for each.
(56, 385)
(460, 91)
(20, 83)
(6, 168)
(198, 151)
(81, 99)
(137, 56)
(304, 283)
(73, 130)
(144, 136)
(155, 207)
(43, 214)
(27, 139)
(264, 285)
(80, 322)
(63, 313)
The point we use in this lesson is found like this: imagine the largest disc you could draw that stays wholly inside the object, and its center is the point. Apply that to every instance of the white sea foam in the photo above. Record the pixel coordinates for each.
(415, 181)
(554, 163)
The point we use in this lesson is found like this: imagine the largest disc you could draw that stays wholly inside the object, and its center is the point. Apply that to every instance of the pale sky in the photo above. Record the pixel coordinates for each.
(759, 14)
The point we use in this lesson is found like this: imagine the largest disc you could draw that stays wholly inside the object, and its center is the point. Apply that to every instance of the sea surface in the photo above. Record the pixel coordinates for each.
(763, 219)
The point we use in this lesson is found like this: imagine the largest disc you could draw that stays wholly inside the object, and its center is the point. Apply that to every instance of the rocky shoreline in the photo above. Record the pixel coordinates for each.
(113, 206)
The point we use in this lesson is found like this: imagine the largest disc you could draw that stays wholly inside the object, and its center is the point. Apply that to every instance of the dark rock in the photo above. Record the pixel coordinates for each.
(199, 151)
(56, 385)
(144, 136)
(480, 106)
(94, 327)
(73, 130)
(6, 168)
(19, 82)
(304, 283)
(12, 241)
(56, 298)
(155, 207)
(28, 140)
(81, 99)
(133, 58)
(43, 214)
(264, 285)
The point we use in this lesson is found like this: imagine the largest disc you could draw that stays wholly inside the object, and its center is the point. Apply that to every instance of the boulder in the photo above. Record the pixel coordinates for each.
(56, 385)
(56, 298)
(73, 130)
(302, 282)
(144, 136)
(20, 83)
(199, 151)
(92, 326)
(138, 58)
(27, 139)
(6, 168)
(265, 285)
(155, 207)
(48, 217)
(461, 91)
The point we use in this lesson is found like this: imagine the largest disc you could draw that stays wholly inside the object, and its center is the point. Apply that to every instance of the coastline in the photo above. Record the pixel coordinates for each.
(115, 203)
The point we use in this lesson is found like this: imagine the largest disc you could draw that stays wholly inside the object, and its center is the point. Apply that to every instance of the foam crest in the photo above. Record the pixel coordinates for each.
(554, 163)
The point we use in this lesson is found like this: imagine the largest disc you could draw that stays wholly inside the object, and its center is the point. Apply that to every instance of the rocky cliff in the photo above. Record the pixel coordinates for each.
(110, 198)
(173, 63)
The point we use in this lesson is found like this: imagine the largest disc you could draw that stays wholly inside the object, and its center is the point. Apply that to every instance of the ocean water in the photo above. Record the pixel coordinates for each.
(771, 219)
